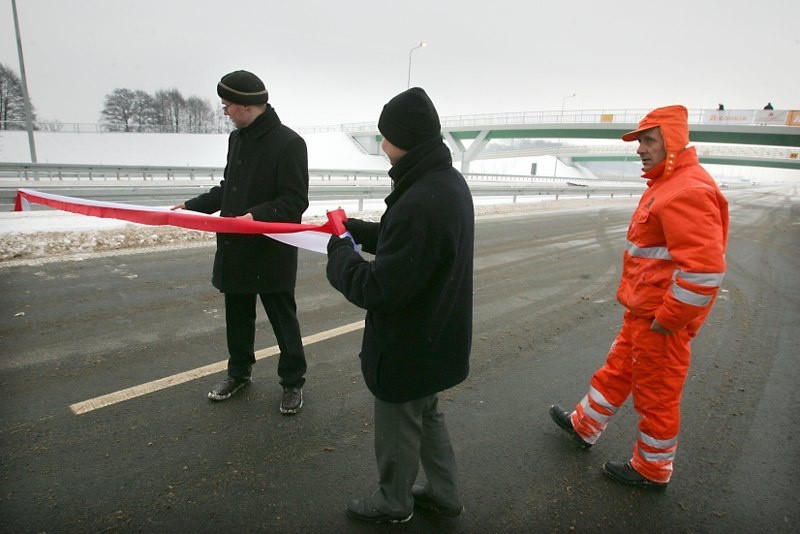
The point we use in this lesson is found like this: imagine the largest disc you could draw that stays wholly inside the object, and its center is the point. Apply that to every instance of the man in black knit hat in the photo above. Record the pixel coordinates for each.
(266, 179)
(418, 295)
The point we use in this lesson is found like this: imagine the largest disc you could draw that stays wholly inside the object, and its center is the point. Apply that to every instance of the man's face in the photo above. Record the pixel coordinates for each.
(651, 148)
(392, 152)
(237, 113)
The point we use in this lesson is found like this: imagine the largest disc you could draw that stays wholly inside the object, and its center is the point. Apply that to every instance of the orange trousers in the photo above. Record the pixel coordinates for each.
(653, 367)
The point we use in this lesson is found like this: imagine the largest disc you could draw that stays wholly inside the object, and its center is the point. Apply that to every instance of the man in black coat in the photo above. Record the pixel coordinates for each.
(266, 179)
(418, 295)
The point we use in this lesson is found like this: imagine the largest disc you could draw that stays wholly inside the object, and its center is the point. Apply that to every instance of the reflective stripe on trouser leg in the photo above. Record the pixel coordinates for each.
(609, 389)
(660, 366)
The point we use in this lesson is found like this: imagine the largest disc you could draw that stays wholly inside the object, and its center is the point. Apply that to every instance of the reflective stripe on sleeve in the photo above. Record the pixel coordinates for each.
(655, 253)
(702, 279)
(690, 297)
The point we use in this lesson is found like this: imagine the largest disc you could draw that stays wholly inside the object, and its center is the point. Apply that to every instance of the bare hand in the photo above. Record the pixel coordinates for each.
(180, 206)
(248, 216)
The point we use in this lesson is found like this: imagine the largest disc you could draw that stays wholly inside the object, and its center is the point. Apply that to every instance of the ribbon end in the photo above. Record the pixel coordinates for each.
(337, 219)
(21, 203)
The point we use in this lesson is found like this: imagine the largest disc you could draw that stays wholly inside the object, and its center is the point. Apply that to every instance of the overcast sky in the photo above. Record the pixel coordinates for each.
(330, 62)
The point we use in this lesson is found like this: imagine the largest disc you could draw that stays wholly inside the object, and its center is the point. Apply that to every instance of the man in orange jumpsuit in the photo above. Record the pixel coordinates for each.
(673, 265)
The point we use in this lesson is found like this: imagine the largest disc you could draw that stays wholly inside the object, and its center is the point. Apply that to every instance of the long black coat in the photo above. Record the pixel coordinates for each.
(266, 175)
(418, 290)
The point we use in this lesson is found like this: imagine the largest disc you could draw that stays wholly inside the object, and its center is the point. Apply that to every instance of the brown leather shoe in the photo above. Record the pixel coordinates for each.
(624, 473)
(561, 417)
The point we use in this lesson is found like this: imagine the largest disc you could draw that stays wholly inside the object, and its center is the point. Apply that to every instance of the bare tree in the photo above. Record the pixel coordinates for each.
(12, 101)
(144, 111)
(199, 117)
(170, 105)
(118, 110)
(127, 110)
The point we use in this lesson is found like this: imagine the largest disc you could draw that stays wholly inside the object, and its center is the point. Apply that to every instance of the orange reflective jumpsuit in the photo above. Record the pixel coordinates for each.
(673, 265)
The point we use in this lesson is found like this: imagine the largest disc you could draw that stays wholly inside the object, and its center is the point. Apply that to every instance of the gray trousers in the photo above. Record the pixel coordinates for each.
(407, 434)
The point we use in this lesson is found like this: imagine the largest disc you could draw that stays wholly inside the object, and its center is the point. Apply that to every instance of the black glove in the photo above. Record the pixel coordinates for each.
(364, 233)
(358, 229)
(337, 242)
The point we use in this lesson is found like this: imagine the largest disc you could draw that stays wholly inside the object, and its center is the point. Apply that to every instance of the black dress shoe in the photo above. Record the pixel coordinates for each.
(362, 510)
(624, 473)
(421, 500)
(561, 417)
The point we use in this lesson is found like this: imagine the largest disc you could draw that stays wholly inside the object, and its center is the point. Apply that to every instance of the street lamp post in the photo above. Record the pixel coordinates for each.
(422, 44)
(560, 125)
(24, 83)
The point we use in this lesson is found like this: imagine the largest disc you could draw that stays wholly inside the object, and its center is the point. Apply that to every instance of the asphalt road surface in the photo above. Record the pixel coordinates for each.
(545, 314)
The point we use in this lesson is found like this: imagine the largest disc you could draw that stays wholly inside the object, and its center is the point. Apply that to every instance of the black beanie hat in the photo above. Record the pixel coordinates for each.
(409, 119)
(242, 87)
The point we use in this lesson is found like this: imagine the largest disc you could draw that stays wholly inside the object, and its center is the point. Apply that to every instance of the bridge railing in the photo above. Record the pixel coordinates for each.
(567, 116)
(600, 116)
(750, 151)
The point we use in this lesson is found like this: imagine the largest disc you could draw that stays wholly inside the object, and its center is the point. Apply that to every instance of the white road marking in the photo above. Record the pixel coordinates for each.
(102, 401)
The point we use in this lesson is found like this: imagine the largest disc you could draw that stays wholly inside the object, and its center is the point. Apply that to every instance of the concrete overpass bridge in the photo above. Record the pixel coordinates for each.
(469, 135)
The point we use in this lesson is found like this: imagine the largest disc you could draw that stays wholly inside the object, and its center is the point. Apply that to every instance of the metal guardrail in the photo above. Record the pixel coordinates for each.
(78, 172)
(170, 185)
(54, 173)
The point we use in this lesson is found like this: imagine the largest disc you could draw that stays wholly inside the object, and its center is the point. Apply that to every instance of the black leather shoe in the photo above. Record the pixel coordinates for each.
(561, 417)
(421, 500)
(362, 510)
(624, 473)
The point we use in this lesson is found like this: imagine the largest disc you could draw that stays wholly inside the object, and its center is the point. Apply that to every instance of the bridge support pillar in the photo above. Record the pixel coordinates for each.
(466, 155)
(369, 143)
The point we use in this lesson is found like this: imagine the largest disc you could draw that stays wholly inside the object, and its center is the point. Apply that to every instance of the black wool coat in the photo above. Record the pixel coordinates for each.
(418, 289)
(266, 175)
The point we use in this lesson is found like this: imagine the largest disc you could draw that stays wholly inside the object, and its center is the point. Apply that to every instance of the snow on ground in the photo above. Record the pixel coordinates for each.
(329, 150)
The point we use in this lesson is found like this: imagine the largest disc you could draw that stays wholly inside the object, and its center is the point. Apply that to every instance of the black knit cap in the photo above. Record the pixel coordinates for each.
(242, 87)
(409, 119)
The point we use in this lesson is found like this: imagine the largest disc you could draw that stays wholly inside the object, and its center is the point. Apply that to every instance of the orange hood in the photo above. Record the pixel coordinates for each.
(674, 124)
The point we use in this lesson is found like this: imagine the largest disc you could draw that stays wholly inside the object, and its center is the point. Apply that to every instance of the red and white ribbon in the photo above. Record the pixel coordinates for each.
(306, 236)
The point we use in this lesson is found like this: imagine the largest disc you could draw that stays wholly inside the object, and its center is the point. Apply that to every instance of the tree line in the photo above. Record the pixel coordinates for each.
(124, 110)
(165, 111)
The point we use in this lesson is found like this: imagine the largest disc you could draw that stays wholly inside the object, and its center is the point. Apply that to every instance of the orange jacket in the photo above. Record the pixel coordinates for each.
(674, 259)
